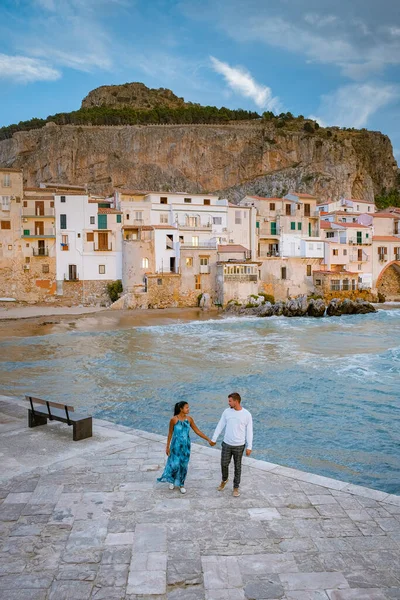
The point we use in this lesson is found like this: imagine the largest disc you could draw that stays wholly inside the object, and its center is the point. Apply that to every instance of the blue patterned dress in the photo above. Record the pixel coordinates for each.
(179, 453)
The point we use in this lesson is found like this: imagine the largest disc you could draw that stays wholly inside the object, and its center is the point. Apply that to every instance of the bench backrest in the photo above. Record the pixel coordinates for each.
(52, 404)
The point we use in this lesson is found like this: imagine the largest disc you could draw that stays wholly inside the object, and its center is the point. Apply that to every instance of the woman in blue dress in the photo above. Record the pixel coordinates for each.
(178, 447)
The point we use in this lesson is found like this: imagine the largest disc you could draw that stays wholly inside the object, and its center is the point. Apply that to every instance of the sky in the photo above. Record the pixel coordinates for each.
(337, 61)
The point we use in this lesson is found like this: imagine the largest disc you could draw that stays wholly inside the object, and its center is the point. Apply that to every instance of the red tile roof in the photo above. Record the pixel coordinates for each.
(357, 225)
(109, 211)
(386, 215)
(302, 195)
(271, 199)
(325, 225)
(386, 238)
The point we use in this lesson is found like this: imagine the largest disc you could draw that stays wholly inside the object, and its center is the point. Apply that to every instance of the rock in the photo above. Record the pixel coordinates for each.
(233, 307)
(297, 307)
(278, 308)
(334, 308)
(363, 307)
(205, 301)
(337, 307)
(316, 308)
(265, 310)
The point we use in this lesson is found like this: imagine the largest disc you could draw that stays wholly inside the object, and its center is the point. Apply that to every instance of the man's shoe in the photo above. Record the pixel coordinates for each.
(236, 492)
(183, 491)
(171, 486)
(222, 485)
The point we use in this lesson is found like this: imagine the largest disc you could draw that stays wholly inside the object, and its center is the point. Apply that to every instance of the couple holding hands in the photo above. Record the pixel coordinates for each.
(238, 425)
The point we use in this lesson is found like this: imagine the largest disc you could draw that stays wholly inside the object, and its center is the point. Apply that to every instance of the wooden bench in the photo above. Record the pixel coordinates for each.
(82, 425)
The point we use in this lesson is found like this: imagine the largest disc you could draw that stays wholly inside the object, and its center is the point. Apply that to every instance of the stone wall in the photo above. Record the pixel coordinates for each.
(389, 283)
(28, 285)
(86, 292)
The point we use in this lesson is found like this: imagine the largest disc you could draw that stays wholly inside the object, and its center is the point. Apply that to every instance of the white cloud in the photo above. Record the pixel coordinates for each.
(23, 69)
(352, 105)
(320, 21)
(240, 80)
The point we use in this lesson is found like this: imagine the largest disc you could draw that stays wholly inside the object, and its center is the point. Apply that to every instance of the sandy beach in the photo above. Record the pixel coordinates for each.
(22, 320)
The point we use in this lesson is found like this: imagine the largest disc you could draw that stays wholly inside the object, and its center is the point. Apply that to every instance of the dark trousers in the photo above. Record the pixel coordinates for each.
(226, 456)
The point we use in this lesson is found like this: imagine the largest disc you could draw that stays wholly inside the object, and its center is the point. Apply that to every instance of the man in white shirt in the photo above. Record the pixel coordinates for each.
(238, 424)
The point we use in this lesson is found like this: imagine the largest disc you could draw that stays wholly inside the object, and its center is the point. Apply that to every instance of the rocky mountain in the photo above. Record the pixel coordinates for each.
(262, 156)
(134, 95)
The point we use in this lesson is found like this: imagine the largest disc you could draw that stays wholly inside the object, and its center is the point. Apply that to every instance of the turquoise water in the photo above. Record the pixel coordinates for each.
(324, 393)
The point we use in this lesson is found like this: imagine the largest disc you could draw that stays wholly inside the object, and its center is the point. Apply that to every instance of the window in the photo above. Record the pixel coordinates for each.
(192, 221)
(360, 267)
(317, 282)
(346, 285)
(272, 206)
(62, 198)
(369, 208)
(163, 200)
(344, 252)
(27, 232)
(299, 226)
(5, 200)
(204, 261)
(308, 270)
(197, 282)
(311, 246)
(127, 216)
(293, 226)
(25, 204)
(139, 216)
(45, 269)
(335, 252)
(164, 218)
(51, 204)
(187, 200)
(159, 281)
(102, 269)
(27, 260)
(283, 272)
(367, 235)
(358, 207)
(90, 236)
(217, 220)
(79, 235)
(92, 220)
(195, 240)
(335, 285)
(238, 217)
(307, 211)
(63, 221)
(145, 263)
(353, 284)
(189, 261)
(102, 221)
(273, 227)
(288, 209)
(119, 218)
(10, 246)
(6, 180)
(6, 225)
(330, 234)
(206, 202)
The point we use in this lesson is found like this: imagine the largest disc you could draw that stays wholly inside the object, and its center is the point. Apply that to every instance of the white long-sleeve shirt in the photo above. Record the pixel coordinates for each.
(238, 426)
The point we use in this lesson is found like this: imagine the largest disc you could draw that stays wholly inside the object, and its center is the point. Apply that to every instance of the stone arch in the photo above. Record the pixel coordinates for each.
(388, 282)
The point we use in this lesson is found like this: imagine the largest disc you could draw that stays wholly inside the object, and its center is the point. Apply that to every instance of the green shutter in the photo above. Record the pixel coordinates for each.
(27, 231)
(292, 225)
(359, 237)
(309, 230)
(119, 218)
(102, 221)
(257, 224)
(299, 226)
(63, 221)
(273, 228)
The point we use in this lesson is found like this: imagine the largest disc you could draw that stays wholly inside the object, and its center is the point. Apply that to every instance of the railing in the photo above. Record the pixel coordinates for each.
(356, 258)
(76, 278)
(204, 269)
(40, 251)
(267, 232)
(136, 222)
(199, 246)
(397, 257)
(264, 254)
(103, 248)
(357, 242)
(31, 212)
(241, 277)
(200, 226)
(5, 206)
(45, 233)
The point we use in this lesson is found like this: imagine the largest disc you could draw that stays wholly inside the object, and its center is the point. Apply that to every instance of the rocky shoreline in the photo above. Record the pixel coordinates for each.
(300, 307)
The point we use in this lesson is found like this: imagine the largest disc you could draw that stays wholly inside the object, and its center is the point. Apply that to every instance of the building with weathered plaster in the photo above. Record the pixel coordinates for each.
(347, 205)
(88, 246)
(386, 254)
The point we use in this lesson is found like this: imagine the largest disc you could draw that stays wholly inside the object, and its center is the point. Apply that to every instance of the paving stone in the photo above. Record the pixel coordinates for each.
(68, 590)
(117, 554)
(313, 581)
(80, 572)
(221, 573)
(119, 539)
(228, 594)
(357, 594)
(187, 593)
(184, 572)
(302, 595)
(147, 582)
(17, 498)
(28, 594)
(112, 575)
(263, 590)
(108, 593)
(261, 564)
(22, 581)
(264, 514)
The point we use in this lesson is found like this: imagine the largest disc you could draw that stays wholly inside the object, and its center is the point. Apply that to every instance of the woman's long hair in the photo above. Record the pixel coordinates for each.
(178, 407)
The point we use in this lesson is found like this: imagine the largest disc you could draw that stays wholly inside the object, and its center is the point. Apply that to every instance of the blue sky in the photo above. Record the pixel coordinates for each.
(335, 60)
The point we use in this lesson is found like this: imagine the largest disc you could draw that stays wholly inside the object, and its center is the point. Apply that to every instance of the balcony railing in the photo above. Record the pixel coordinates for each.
(191, 227)
(267, 232)
(240, 277)
(200, 246)
(266, 254)
(360, 242)
(204, 269)
(28, 233)
(356, 258)
(31, 212)
(107, 248)
(40, 251)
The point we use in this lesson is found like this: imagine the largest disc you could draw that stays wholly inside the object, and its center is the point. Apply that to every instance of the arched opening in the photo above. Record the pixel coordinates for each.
(388, 282)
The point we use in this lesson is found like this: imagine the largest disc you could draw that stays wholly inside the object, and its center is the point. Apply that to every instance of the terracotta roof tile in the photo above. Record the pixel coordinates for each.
(231, 248)
(109, 211)
(386, 238)
(386, 215)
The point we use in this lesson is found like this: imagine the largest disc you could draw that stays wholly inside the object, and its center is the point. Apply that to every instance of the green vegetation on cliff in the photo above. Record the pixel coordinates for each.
(105, 115)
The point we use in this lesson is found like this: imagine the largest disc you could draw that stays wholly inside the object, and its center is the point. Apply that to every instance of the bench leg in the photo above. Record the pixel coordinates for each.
(34, 420)
(82, 429)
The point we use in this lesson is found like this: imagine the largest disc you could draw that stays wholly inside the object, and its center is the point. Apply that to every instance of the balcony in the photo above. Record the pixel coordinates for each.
(356, 259)
(40, 251)
(240, 277)
(190, 227)
(31, 213)
(46, 233)
(360, 242)
(204, 269)
(200, 246)
(265, 232)
(102, 248)
(268, 254)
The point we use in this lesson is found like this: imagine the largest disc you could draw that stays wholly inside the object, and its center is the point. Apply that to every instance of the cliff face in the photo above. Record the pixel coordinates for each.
(234, 159)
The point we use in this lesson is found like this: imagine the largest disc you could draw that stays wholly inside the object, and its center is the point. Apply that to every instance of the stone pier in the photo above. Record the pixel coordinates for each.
(87, 520)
